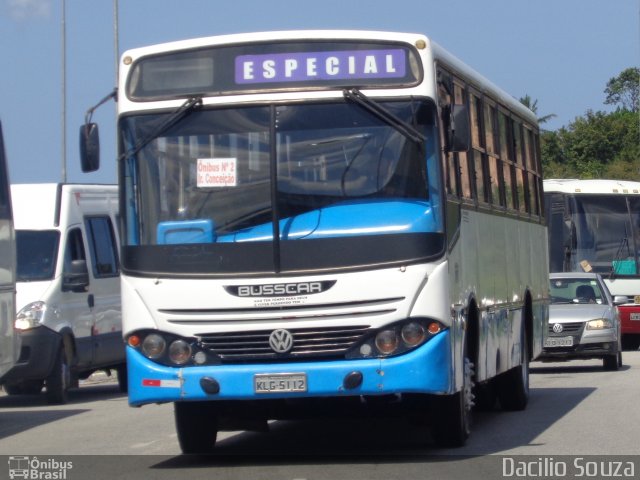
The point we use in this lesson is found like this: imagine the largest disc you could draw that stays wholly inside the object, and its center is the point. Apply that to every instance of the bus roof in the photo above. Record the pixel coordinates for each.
(599, 186)
(435, 51)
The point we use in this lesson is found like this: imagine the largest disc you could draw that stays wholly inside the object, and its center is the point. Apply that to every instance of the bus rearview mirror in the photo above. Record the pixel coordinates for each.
(89, 147)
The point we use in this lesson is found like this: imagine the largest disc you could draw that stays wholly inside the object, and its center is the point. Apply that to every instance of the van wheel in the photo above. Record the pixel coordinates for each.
(30, 387)
(123, 378)
(197, 427)
(58, 381)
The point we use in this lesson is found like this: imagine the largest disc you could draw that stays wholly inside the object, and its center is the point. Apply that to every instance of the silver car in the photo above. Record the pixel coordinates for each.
(583, 320)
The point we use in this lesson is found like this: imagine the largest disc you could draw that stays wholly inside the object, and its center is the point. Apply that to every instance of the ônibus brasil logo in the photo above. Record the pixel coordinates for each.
(34, 468)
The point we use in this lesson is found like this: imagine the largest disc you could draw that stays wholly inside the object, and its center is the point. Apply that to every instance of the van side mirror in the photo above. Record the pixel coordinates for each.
(459, 129)
(620, 300)
(77, 278)
(89, 147)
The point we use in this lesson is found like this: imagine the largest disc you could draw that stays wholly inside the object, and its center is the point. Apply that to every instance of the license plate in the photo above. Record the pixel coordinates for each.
(280, 382)
(634, 316)
(558, 342)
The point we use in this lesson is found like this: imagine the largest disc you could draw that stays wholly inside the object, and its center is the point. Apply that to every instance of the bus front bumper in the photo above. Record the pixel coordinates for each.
(424, 370)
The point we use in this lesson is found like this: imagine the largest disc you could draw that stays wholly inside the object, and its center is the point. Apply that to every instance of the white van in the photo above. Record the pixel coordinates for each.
(68, 287)
(8, 339)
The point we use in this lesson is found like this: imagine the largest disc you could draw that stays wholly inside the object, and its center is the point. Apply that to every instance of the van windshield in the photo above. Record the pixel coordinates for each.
(36, 254)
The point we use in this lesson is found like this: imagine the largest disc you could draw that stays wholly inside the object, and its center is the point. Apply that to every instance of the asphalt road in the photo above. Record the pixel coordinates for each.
(576, 409)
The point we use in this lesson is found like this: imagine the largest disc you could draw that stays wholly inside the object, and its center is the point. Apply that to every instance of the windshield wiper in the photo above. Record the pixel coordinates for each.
(383, 114)
(176, 116)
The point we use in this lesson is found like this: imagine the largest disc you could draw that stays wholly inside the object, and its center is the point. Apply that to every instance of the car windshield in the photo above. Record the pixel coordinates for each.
(576, 290)
(36, 254)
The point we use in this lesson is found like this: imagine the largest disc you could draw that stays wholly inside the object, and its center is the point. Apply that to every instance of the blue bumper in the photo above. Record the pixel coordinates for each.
(425, 370)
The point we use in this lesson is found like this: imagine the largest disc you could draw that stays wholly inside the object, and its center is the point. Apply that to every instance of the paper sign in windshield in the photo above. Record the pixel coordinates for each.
(320, 66)
(217, 172)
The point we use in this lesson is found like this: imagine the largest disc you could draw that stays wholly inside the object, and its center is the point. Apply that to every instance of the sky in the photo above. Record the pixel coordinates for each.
(561, 53)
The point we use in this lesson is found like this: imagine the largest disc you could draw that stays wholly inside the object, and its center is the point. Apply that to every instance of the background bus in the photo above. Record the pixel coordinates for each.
(594, 225)
(8, 339)
(325, 219)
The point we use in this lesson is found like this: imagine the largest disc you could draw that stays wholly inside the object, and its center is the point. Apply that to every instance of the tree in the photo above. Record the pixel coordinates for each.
(532, 105)
(624, 90)
(598, 144)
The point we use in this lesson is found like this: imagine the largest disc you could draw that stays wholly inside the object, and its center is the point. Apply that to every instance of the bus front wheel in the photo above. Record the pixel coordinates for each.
(452, 423)
(196, 426)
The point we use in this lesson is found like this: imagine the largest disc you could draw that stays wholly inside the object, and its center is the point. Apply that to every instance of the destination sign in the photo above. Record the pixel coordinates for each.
(315, 66)
(271, 67)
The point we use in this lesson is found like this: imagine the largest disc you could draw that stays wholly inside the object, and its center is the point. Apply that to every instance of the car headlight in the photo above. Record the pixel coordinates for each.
(31, 316)
(599, 324)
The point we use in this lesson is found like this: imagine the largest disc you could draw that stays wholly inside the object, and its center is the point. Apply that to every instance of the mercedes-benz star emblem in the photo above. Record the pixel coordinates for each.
(281, 341)
(557, 328)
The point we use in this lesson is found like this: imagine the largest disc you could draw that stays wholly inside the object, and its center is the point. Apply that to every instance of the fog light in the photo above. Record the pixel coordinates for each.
(200, 358)
(413, 334)
(352, 380)
(387, 342)
(179, 352)
(153, 346)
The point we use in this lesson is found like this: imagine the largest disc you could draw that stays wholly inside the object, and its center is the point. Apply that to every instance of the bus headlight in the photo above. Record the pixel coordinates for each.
(413, 334)
(387, 342)
(153, 346)
(31, 316)
(179, 352)
(397, 338)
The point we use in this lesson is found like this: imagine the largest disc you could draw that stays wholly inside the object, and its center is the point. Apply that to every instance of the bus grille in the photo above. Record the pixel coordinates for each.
(238, 347)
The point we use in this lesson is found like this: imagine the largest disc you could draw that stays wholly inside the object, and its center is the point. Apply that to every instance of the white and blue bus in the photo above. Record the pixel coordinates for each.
(9, 344)
(594, 226)
(320, 219)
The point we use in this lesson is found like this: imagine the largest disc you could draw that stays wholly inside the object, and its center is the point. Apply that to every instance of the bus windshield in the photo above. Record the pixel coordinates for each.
(607, 233)
(37, 251)
(323, 175)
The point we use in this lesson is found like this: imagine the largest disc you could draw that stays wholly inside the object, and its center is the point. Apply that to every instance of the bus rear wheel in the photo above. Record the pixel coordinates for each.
(513, 385)
(196, 426)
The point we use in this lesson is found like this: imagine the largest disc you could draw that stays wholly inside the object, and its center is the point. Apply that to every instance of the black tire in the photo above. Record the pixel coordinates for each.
(196, 426)
(29, 387)
(513, 385)
(452, 424)
(611, 362)
(620, 359)
(630, 342)
(58, 381)
(123, 378)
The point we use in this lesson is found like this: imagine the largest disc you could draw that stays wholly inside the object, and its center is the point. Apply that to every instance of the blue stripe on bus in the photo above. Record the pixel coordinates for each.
(425, 370)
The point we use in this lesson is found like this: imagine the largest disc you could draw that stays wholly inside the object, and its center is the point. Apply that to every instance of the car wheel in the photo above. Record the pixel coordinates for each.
(58, 381)
(610, 362)
(196, 426)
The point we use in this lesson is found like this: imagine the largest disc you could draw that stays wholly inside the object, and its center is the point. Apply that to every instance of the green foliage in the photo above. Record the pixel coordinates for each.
(599, 144)
(624, 90)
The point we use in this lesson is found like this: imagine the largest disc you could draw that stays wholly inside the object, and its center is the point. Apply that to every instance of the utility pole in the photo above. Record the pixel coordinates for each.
(64, 91)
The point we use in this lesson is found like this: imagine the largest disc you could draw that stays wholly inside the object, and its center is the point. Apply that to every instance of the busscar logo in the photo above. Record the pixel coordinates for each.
(279, 289)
